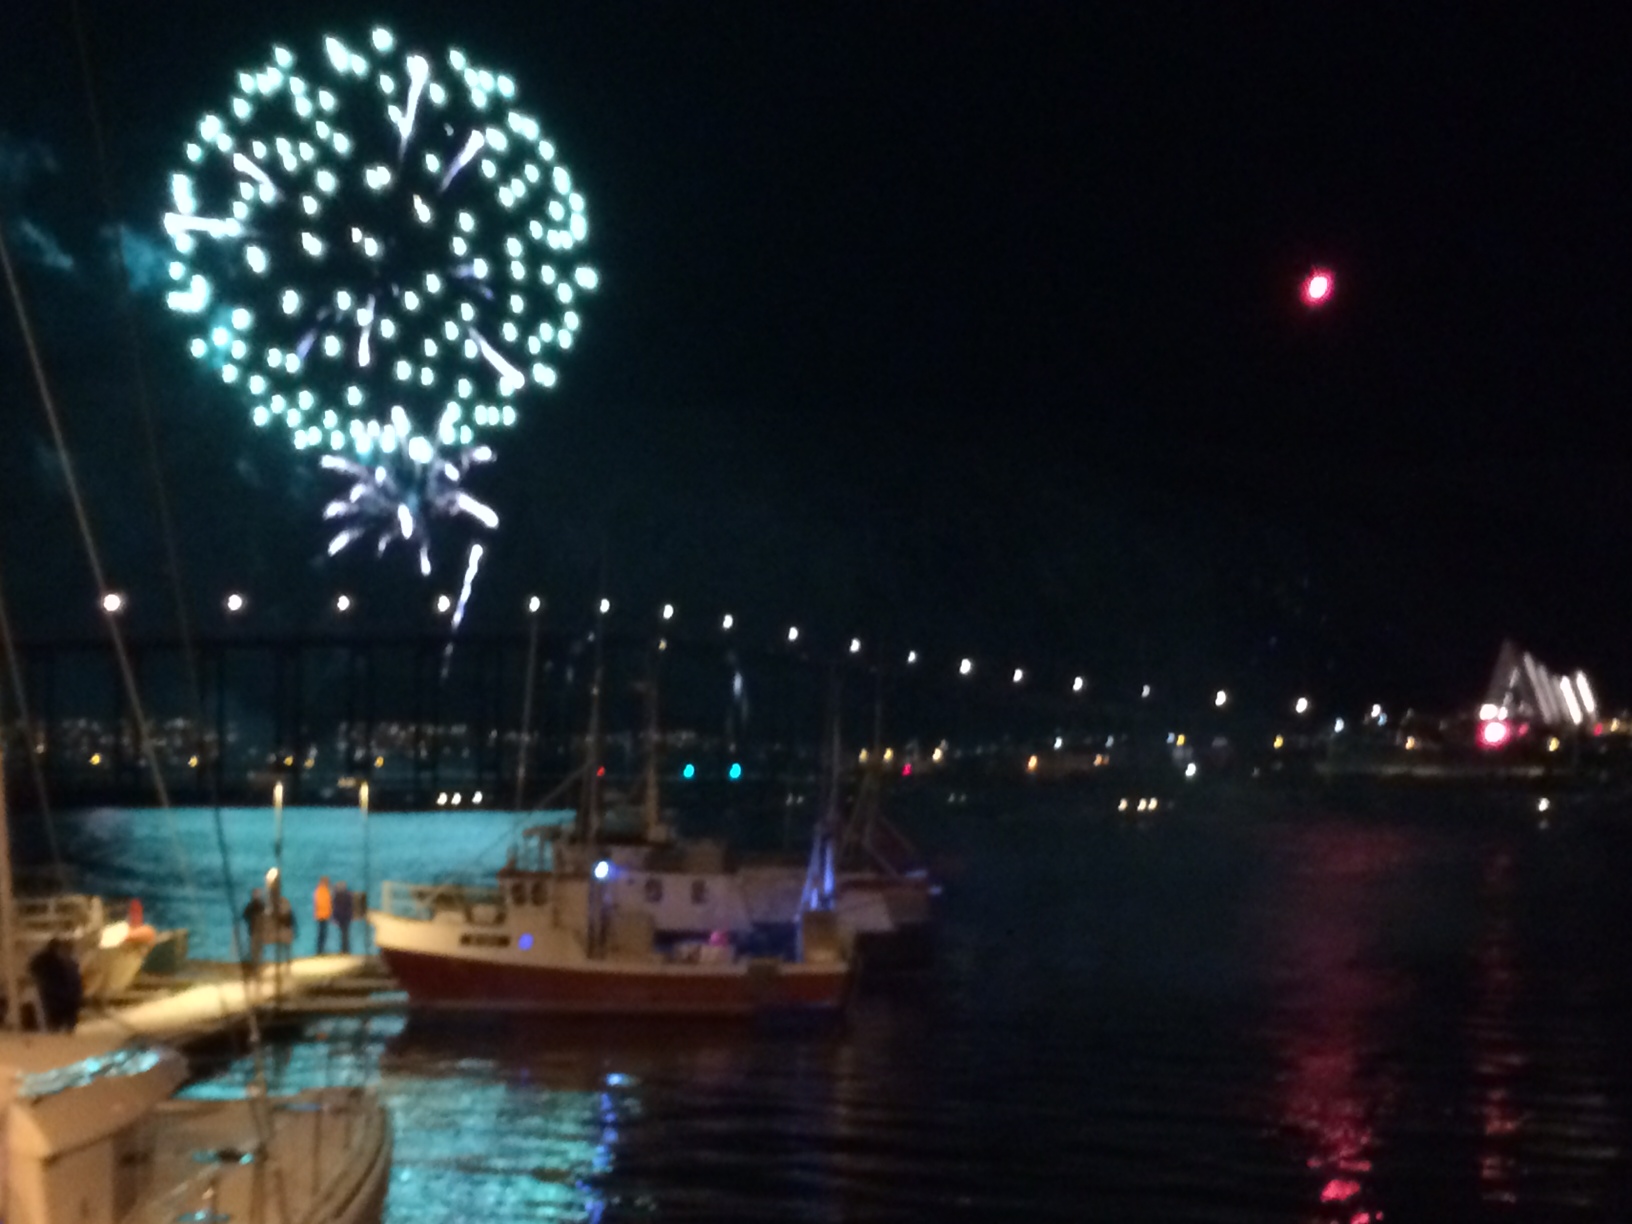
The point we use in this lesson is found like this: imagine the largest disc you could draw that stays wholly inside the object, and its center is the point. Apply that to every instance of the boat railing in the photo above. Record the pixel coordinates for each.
(427, 901)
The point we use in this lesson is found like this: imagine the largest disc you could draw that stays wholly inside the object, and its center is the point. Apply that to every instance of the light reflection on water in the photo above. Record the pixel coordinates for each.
(1217, 1016)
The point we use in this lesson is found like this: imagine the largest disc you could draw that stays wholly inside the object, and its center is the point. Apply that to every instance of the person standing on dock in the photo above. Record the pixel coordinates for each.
(342, 915)
(322, 912)
(255, 920)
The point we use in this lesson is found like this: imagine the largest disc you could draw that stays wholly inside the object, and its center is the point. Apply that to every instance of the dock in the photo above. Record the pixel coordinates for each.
(215, 999)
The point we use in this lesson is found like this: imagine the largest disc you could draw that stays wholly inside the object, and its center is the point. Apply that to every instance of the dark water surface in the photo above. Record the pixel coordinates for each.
(1249, 1010)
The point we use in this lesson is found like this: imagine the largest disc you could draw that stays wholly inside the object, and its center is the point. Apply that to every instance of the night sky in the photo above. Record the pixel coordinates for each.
(968, 327)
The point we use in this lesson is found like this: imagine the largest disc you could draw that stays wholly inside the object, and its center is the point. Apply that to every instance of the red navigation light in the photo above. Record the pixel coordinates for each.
(1597, 728)
(1494, 733)
(601, 772)
(1318, 286)
(906, 770)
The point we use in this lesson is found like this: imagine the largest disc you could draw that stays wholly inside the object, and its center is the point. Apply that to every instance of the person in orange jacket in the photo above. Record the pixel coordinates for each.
(322, 910)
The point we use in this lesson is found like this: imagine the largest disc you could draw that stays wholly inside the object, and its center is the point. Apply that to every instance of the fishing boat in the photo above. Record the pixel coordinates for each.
(556, 937)
(871, 878)
(575, 931)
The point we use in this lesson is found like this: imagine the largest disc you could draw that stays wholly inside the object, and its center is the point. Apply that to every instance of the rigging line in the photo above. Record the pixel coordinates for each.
(93, 556)
(139, 370)
(31, 744)
(166, 519)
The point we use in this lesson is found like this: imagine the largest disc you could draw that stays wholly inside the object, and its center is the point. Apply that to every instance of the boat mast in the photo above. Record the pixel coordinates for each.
(588, 825)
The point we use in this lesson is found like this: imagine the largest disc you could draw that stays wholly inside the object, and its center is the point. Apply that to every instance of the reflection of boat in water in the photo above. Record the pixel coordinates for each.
(94, 1137)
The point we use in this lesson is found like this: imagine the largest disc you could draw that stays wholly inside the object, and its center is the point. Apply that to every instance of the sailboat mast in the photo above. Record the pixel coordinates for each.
(589, 813)
(8, 912)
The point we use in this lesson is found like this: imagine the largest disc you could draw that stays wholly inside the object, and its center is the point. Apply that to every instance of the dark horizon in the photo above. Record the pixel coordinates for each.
(971, 332)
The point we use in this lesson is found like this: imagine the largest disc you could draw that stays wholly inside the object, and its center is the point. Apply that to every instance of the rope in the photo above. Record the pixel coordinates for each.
(26, 724)
(195, 687)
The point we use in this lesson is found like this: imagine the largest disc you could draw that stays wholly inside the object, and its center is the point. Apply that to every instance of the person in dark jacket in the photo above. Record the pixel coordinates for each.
(57, 980)
(343, 915)
(254, 920)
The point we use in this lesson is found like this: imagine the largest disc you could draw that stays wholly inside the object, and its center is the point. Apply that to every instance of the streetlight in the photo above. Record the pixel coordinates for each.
(113, 603)
(1019, 675)
(235, 603)
(668, 611)
(912, 657)
(966, 667)
(793, 633)
(1221, 699)
(1301, 706)
(1144, 693)
(443, 605)
(606, 606)
(855, 645)
(535, 605)
(726, 622)
(1078, 684)
(342, 604)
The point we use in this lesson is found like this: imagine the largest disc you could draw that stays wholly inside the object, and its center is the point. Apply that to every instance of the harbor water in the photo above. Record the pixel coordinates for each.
(1242, 1008)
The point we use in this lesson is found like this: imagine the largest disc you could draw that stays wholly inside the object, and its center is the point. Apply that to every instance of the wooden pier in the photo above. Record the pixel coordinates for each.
(215, 999)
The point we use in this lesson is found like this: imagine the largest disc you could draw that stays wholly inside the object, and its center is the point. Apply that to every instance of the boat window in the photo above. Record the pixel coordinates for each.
(699, 892)
(518, 893)
(654, 889)
(539, 892)
(484, 941)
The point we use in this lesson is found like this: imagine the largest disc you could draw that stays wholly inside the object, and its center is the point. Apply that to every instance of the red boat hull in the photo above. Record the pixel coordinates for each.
(445, 981)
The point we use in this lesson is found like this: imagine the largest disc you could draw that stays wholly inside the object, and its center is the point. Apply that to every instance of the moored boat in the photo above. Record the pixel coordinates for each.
(560, 939)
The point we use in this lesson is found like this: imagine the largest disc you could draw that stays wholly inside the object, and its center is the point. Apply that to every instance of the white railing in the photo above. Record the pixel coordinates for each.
(425, 901)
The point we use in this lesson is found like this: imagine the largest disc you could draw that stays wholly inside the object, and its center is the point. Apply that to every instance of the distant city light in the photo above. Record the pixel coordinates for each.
(342, 603)
(1059, 742)
(793, 633)
(689, 772)
(1543, 804)
(1190, 770)
(855, 645)
(1220, 698)
(668, 611)
(444, 604)
(113, 603)
(1078, 684)
(235, 602)
(1318, 287)
(535, 605)
(1145, 692)
(735, 772)
(1337, 726)
(1301, 705)
(966, 667)
(1494, 734)
(606, 606)
(1019, 675)
(727, 621)
(1031, 763)
(912, 657)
